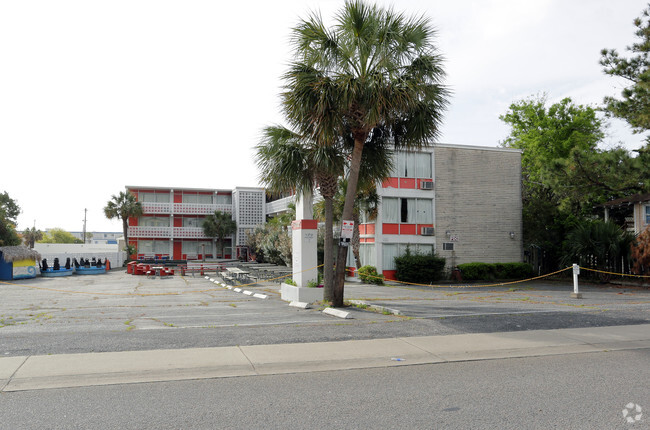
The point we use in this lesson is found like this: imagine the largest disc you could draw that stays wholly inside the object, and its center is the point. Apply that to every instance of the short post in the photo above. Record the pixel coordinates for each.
(576, 293)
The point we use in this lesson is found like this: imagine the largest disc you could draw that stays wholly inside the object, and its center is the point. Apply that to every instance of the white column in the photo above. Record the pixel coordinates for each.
(304, 242)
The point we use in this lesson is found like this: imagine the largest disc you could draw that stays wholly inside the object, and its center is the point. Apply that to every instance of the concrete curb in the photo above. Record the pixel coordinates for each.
(337, 313)
(77, 370)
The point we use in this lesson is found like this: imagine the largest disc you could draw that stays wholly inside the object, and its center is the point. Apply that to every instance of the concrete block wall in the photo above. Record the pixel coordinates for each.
(478, 202)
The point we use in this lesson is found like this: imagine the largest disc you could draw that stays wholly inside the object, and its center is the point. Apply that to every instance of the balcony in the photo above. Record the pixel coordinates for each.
(200, 208)
(166, 232)
(184, 208)
(156, 208)
(150, 232)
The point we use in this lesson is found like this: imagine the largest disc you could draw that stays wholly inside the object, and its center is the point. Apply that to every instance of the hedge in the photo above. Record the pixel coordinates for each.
(418, 268)
(490, 271)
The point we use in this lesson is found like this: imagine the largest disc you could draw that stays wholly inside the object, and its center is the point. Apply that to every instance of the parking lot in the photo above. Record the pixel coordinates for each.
(119, 311)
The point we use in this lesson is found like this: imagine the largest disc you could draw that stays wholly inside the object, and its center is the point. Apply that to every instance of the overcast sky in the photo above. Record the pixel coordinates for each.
(96, 95)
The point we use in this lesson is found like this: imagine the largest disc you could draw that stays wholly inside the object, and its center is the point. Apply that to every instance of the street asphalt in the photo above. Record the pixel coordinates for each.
(119, 328)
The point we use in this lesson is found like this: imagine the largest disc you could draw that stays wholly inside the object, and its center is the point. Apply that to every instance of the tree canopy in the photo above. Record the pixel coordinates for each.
(374, 68)
(634, 104)
(219, 225)
(58, 235)
(9, 211)
(123, 206)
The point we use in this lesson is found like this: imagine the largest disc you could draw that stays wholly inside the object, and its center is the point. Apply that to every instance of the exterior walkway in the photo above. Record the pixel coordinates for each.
(76, 370)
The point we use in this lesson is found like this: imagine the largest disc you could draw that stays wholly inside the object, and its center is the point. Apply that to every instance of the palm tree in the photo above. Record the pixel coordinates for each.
(291, 162)
(31, 236)
(219, 225)
(123, 206)
(375, 67)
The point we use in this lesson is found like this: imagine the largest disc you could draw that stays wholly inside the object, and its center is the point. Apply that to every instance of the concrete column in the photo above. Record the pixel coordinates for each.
(304, 242)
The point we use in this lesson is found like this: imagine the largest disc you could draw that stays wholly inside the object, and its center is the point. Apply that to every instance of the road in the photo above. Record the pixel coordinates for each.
(578, 391)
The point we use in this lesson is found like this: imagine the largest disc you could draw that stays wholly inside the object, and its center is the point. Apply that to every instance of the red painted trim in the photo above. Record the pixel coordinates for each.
(390, 275)
(305, 224)
(407, 183)
(390, 228)
(370, 229)
(178, 198)
(390, 183)
(407, 229)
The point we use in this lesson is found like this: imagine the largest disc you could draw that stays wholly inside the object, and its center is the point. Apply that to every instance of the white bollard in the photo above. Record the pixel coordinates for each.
(576, 293)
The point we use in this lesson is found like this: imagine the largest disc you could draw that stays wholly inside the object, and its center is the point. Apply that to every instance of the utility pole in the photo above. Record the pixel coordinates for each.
(84, 233)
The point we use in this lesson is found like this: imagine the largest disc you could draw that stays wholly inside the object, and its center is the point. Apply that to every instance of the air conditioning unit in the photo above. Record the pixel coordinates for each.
(426, 231)
(426, 185)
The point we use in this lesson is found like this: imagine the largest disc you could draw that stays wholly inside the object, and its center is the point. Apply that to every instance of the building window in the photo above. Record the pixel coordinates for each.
(193, 222)
(198, 198)
(223, 199)
(153, 197)
(392, 250)
(414, 165)
(153, 247)
(647, 214)
(411, 211)
(153, 221)
(196, 247)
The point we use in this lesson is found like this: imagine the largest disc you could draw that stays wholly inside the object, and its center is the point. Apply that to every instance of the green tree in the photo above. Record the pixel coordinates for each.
(123, 206)
(551, 137)
(598, 245)
(289, 161)
(9, 211)
(634, 104)
(374, 67)
(219, 225)
(58, 235)
(31, 236)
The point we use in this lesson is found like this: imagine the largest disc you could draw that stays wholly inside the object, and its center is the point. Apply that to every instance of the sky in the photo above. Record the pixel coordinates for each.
(97, 95)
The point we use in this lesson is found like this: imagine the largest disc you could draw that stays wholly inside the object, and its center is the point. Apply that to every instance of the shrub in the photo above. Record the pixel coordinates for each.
(369, 274)
(491, 271)
(419, 268)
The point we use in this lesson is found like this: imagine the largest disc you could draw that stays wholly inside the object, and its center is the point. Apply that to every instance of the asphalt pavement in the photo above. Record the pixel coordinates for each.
(120, 328)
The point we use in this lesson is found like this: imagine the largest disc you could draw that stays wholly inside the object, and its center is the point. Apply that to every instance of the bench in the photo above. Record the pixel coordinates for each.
(201, 267)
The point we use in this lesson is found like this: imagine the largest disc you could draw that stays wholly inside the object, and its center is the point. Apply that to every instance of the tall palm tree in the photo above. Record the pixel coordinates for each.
(291, 162)
(123, 206)
(219, 225)
(375, 67)
(31, 236)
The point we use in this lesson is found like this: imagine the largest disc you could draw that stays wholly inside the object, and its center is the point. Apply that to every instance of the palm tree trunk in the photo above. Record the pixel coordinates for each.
(356, 240)
(125, 230)
(328, 252)
(348, 208)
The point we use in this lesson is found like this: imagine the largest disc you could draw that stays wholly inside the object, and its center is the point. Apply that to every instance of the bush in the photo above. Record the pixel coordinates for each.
(419, 268)
(369, 274)
(491, 271)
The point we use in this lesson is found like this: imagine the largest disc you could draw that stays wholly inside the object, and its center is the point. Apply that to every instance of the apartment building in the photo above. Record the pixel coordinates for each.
(171, 225)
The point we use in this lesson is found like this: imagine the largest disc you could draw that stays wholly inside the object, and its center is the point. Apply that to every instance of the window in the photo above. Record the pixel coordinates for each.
(153, 247)
(413, 165)
(193, 222)
(154, 197)
(198, 198)
(392, 250)
(411, 211)
(647, 214)
(153, 221)
(448, 246)
(223, 199)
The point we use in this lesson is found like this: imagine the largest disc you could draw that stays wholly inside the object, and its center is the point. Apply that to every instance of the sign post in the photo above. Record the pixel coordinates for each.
(347, 228)
(576, 293)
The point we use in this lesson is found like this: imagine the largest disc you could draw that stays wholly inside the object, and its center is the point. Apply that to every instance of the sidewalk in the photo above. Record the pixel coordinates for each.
(78, 370)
